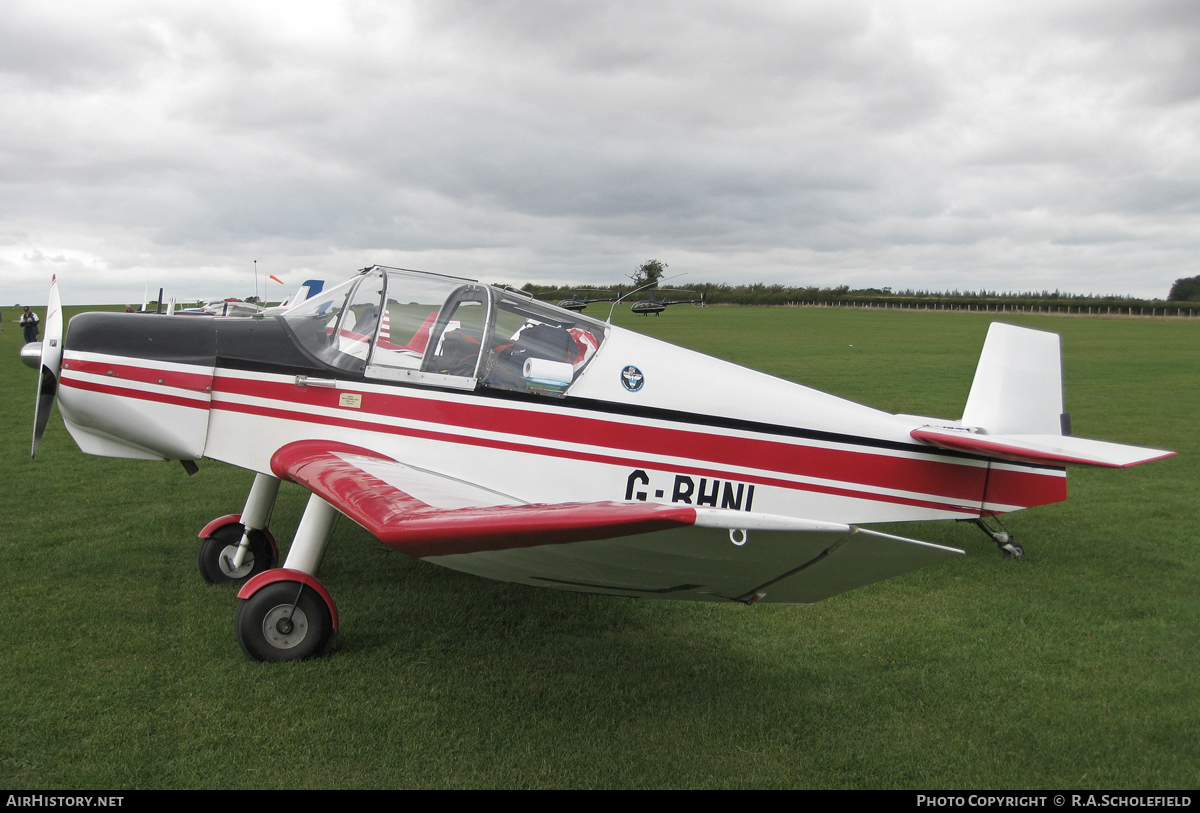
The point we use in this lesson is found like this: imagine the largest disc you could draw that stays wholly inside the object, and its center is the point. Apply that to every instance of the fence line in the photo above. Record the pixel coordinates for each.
(1091, 310)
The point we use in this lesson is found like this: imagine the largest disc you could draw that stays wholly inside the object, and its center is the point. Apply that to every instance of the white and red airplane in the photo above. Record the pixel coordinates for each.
(482, 430)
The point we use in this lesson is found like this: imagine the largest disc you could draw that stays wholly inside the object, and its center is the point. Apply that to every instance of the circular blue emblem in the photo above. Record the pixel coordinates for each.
(632, 378)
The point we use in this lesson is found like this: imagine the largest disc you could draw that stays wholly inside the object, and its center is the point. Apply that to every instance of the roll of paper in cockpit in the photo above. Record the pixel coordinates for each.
(546, 371)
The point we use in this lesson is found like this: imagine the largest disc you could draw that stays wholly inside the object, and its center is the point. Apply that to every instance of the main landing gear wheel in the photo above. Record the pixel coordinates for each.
(284, 621)
(217, 552)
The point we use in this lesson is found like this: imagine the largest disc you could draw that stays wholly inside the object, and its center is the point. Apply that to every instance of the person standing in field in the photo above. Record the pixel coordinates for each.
(29, 324)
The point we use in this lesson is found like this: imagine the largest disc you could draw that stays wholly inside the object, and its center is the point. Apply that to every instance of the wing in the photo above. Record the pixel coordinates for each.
(618, 548)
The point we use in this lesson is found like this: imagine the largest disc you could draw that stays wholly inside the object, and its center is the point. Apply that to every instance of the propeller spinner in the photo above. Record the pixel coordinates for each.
(51, 362)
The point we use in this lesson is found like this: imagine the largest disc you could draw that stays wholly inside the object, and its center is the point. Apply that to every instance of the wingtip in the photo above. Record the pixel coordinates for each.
(1163, 456)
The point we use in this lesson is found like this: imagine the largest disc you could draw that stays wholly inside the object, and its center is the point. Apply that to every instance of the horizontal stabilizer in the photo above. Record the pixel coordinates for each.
(1053, 449)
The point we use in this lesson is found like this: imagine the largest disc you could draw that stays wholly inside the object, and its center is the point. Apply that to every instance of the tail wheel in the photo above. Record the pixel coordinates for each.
(218, 550)
(284, 621)
(1010, 549)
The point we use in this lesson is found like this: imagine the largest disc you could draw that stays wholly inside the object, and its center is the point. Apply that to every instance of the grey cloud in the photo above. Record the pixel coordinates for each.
(894, 144)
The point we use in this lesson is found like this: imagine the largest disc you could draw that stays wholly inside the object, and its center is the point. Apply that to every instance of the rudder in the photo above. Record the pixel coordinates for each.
(1018, 383)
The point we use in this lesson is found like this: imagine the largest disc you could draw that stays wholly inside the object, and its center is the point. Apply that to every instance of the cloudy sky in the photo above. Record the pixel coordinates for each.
(1007, 145)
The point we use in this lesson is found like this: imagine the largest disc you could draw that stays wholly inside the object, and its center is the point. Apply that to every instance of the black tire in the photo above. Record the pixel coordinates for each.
(216, 553)
(284, 621)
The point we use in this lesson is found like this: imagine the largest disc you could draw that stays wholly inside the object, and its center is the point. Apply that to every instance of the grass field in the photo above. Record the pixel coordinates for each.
(1076, 666)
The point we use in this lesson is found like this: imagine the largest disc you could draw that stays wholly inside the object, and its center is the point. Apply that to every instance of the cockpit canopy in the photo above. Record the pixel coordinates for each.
(399, 325)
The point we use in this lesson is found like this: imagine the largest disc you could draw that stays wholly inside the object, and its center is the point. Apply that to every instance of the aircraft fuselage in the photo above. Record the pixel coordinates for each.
(643, 421)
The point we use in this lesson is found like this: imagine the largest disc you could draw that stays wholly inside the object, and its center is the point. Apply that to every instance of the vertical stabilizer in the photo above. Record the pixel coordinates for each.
(1015, 409)
(1018, 383)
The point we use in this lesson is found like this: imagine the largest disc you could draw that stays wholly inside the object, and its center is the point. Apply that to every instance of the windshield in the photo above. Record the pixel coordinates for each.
(339, 325)
(446, 331)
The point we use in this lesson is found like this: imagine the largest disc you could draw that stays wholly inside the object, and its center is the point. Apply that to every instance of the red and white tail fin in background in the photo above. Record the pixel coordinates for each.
(1015, 409)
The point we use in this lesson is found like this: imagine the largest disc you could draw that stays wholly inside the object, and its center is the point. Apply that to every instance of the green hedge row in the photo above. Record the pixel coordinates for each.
(843, 296)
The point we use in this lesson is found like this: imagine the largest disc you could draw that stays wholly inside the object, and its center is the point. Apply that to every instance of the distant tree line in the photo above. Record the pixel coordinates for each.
(649, 274)
(762, 294)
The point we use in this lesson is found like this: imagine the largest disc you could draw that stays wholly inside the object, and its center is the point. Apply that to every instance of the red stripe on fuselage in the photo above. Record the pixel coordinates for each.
(1026, 488)
(195, 382)
(135, 394)
(525, 448)
(954, 481)
(959, 485)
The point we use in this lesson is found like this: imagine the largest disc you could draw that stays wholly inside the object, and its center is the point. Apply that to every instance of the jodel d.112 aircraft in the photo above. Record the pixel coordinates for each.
(479, 429)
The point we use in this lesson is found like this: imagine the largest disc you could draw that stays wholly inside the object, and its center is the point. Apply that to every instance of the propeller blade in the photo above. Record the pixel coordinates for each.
(50, 366)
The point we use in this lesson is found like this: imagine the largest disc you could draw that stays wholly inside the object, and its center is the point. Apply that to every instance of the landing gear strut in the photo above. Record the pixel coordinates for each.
(286, 614)
(1002, 538)
(240, 546)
